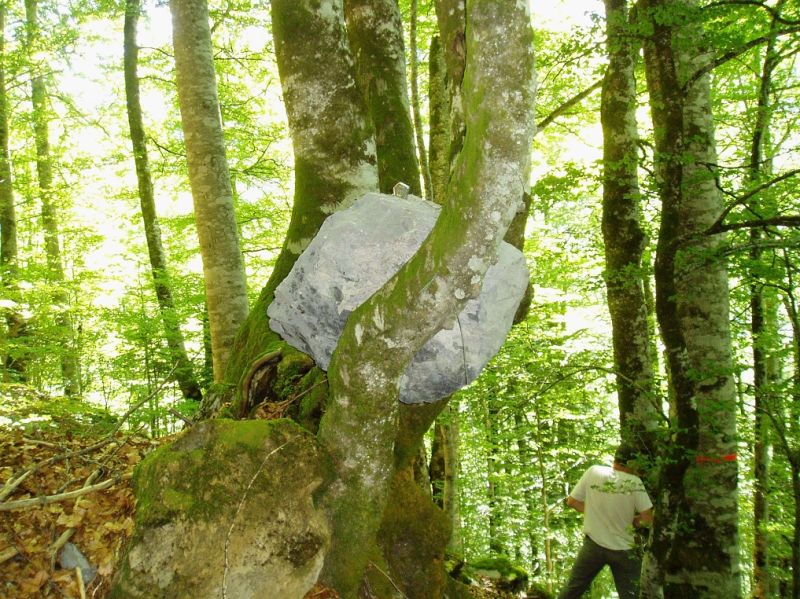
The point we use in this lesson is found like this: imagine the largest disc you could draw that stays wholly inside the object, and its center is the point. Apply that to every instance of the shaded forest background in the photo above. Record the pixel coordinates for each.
(87, 326)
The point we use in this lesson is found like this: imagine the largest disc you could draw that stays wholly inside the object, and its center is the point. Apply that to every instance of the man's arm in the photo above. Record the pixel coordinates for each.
(575, 504)
(643, 519)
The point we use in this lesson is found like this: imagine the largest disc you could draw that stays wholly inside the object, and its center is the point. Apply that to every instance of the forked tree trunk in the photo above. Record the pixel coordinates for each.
(70, 366)
(158, 261)
(695, 536)
(223, 267)
(384, 333)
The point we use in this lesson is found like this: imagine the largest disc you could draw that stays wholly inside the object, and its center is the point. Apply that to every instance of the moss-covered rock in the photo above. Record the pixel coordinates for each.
(229, 505)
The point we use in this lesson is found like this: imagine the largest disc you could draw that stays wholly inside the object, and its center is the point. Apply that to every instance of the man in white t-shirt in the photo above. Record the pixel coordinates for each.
(613, 501)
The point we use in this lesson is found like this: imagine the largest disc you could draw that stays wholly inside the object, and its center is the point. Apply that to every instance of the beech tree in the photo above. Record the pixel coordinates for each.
(70, 365)
(695, 535)
(158, 261)
(15, 360)
(223, 269)
(623, 237)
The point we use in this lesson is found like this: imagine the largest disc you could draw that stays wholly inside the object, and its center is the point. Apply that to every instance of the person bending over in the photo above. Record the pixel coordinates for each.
(613, 502)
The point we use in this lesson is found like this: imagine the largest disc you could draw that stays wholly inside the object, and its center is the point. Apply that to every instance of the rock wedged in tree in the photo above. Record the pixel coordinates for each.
(233, 500)
(355, 252)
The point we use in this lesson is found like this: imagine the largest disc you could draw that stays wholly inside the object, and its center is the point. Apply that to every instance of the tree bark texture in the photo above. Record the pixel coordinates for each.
(384, 333)
(183, 370)
(438, 122)
(15, 361)
(70, 366)
(623, 237)
(695, 536)
(375, 30)
(334, 148)
(223, 267)
(451, 16)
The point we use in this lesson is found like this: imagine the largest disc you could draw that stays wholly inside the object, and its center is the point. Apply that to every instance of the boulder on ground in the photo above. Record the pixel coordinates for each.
(227, 511)
(355, 252)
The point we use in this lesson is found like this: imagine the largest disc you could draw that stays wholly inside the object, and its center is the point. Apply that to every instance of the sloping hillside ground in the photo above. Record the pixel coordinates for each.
(66, 505)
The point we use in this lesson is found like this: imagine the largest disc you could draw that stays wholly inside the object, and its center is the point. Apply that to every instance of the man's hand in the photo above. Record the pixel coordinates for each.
(575, 504)
(643, 519)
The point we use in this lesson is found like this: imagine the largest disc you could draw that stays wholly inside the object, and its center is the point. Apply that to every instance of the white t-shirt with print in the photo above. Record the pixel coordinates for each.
(612, 498)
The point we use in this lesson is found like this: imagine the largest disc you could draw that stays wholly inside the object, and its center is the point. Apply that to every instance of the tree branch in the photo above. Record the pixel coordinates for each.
(563, 108)
(776, 221)
(773, 13)
(47, 499)
(718, 225)
(728, 56)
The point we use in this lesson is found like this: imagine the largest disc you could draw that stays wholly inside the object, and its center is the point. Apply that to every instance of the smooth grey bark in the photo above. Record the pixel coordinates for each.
(382, 335)
(624, 238)
(375, 31)
(223, 267)
(70, 365)
(15, 361)
(334, 150)
(695, 534)
(183, 371)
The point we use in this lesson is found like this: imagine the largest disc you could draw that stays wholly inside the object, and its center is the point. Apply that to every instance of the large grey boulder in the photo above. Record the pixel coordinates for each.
(355, 252)
(227, 511)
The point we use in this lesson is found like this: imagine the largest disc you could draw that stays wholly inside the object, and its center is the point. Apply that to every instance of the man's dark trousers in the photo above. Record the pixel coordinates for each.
(626, 567)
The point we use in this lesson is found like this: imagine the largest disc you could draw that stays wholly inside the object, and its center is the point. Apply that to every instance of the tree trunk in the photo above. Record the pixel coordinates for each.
(223, 268)
(70, 366)
(444, 466)
(16, 360)
(158, 261)
(415, 103)
(384, 333)
(763, 329)
(375, 30)
(334, 154)
(624, 238)
(438, 122)
(786, 434)
(695, 535)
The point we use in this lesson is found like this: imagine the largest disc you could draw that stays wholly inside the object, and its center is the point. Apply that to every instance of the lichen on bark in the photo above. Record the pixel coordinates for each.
(382, 335)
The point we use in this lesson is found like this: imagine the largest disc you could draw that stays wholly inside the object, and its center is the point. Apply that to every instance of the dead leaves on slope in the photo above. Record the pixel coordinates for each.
(102, 520)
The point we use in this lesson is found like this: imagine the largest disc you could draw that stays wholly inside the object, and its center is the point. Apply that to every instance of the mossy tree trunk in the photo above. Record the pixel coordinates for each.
(623, 237)
(334, 157)
(15, 362)
(383, 334)
(375, 30)
(158, 261)
(70, 364)
(695, 536)
(223, 266)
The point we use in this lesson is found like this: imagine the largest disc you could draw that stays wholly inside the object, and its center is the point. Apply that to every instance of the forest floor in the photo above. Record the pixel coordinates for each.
(65, 485)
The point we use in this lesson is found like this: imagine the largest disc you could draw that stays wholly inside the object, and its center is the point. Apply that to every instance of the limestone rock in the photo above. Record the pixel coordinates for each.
(355, 252)
(228, 505)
